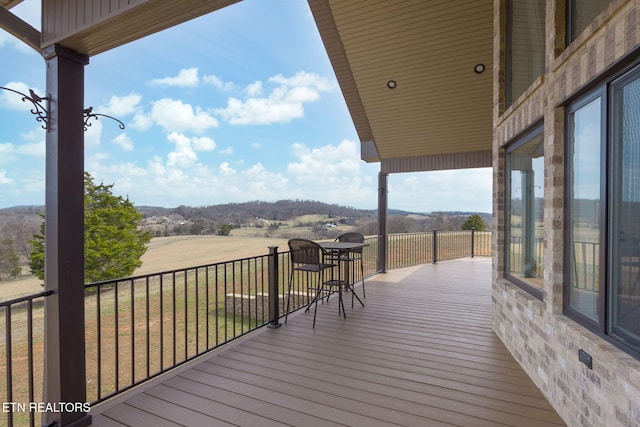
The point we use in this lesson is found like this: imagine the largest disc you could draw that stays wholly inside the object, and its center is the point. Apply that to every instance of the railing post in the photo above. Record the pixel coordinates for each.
(274, 300)
(435, 246)
(473, 240)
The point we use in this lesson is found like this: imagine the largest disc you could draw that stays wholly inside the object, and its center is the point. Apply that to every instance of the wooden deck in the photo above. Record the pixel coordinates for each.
(421, 353)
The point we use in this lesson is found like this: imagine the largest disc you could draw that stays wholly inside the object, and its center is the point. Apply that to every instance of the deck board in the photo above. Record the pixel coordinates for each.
(420, 353)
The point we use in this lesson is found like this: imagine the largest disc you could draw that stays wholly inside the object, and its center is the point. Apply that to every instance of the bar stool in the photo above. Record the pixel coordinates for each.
(353, 256)
(310, 257)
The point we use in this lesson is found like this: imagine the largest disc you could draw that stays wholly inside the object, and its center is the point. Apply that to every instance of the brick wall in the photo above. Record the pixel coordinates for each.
(545, 342)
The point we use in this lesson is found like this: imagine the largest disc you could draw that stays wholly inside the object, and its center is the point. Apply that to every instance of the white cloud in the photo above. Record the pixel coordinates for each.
(34, 135)
(304, 79)
(228, 150)
(260, 111)
(330, 160)
(180, 178)
(225, 169)
(254, 89)
(13, 101)
(5, 38)
(99, 157)
(334, 174)
(183, 155)
(19, 45)
(463, 190)
(187, 77)
(37, 149)
(203, 143)
(141, 121)
(4, 180)
(119, 106)
(259, 180)
(123, 141)
(217, 82)
(93, 134)
(7, 152)
(284, 103)
(174, 115)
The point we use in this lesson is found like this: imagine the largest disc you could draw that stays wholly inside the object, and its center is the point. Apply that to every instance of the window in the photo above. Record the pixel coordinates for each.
(602, 288)
(624, 299)
(580, 13)
(524, 212)
(583, 202)
(525, 43)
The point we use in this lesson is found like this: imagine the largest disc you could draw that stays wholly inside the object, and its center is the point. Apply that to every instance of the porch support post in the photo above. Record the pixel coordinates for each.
(64, 341)
(382, 222)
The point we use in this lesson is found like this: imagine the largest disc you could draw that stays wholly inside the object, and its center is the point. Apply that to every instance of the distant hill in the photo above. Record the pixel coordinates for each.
(238, 213)
(22, 210)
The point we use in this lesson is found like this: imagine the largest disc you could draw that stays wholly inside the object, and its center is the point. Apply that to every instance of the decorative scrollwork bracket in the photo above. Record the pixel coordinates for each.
(89, 114)
(41, 111)
(40, 108)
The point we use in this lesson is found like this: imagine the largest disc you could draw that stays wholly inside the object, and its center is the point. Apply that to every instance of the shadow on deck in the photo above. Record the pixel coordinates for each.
(421, 353)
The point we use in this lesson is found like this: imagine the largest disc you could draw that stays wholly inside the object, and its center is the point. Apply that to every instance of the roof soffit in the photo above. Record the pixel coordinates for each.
(20, 29)
(94, 27)
(8, 4)
(429, 48)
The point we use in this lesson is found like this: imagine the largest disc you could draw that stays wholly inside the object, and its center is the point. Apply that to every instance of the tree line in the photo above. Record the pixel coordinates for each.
(240, 213)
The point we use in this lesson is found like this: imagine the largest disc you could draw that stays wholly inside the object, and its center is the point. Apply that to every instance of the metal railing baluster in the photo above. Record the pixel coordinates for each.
(9, 357)
(133, 335)
(244, 280)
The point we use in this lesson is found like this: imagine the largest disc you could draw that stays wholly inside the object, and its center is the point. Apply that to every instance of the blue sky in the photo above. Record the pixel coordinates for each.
(238, 105)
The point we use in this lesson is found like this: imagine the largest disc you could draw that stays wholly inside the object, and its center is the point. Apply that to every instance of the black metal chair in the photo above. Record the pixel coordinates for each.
(353, 256)
(309, 257)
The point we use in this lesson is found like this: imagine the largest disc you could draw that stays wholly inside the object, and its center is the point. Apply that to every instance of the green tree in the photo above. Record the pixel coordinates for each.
(36, 258)
(9, 259)
(476, 222)
(113, 244)
(225, 230)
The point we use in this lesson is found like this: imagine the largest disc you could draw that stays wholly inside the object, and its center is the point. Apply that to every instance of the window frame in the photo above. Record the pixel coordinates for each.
(570, 14)
(631, 75)
(508, 55)
(532, 132)
(509, 97)
(603, 89)
(573, 107)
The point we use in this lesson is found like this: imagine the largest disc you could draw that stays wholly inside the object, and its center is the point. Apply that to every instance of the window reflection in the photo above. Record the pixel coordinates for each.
(584, 183)
(625, 233)
(603, 246)
(525, 168)
(525, 45)
(581, 13)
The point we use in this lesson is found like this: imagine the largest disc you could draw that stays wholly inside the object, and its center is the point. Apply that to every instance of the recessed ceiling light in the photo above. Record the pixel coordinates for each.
(391, 84)
(479, 68)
